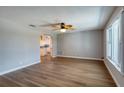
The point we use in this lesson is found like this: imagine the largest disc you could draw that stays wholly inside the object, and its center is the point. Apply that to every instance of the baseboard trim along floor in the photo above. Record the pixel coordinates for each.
(88, 58)
(112, 74)
(18, 68)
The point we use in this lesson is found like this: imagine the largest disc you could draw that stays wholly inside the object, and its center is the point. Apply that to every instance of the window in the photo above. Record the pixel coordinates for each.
(109, 43)
(113, 43)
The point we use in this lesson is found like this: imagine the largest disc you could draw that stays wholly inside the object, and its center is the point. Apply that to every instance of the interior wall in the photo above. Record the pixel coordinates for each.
(83, 44)
(18, 46)
(117, 76)
(54, 45)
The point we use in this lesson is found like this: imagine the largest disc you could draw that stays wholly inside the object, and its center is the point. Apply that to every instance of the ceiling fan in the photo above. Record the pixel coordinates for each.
(62, 27)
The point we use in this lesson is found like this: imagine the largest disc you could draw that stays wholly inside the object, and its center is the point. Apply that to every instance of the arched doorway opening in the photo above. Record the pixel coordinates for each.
(46, 45)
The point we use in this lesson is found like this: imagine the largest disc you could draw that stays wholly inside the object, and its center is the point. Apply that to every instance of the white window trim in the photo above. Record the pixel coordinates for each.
(110, 59)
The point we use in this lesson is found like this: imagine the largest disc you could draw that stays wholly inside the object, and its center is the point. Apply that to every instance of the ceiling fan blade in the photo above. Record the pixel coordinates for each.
(56, 29)
(68, 26)
(56, 23)
(45, 25)
(49, 24)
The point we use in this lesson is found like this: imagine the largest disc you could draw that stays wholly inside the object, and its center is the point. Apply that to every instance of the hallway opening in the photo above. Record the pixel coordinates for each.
(45, 47)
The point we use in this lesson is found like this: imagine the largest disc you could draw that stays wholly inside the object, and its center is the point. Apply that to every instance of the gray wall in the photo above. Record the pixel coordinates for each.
(54, 43)
(81, 44)
(117, 76)
(18, 46)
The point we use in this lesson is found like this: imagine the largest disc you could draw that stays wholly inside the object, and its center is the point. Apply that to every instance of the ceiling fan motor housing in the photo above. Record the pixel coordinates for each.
(62, 25)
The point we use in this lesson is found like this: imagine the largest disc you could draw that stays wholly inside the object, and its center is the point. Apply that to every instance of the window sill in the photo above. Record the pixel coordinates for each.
(118, 68)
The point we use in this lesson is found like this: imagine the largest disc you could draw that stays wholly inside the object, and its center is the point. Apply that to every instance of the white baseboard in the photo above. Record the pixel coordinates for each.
(80, 57)
(111, 74)
(17, 68)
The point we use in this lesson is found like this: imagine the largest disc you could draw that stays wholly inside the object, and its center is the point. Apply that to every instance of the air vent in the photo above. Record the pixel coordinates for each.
(32, 25)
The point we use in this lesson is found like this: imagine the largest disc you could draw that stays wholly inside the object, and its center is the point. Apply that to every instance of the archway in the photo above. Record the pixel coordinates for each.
(45, 45)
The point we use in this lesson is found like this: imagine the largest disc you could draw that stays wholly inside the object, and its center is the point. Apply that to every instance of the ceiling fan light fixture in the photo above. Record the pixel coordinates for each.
(62, 30)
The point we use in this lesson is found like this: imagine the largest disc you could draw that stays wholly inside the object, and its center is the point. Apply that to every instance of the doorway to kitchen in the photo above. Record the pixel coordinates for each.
(46, 48)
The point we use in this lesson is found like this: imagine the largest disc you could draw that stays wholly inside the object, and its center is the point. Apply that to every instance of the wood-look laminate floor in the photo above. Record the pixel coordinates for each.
(60, 72)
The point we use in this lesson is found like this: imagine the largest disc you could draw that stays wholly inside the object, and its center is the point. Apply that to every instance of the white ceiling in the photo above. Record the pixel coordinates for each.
(83, 18)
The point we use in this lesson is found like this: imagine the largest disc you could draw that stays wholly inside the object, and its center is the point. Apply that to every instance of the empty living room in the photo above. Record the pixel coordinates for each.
(61, 46)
